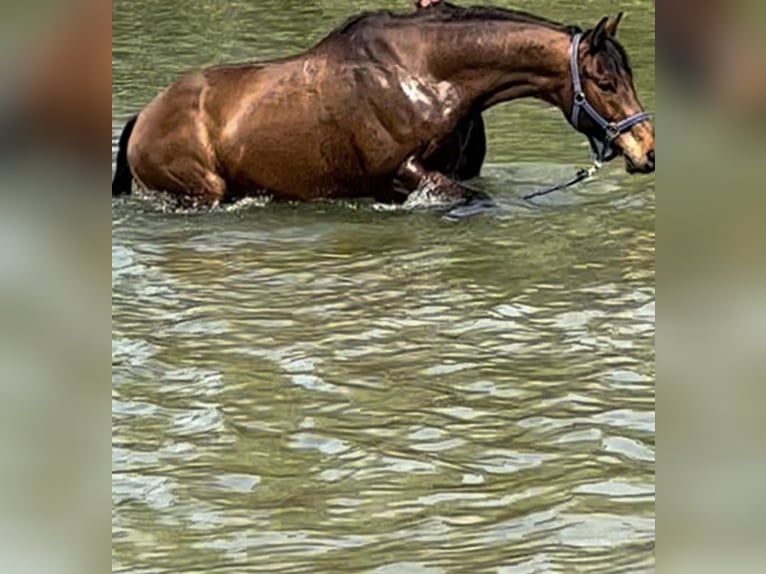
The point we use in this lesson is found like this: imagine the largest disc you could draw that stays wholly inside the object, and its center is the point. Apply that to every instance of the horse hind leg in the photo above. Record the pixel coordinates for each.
(211, 191)
(186, 185)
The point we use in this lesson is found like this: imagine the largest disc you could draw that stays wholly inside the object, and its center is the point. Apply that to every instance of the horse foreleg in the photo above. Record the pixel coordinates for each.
(461, 156)
(434, 189)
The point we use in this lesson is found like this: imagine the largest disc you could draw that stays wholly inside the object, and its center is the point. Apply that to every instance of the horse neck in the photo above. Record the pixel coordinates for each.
(502, 61)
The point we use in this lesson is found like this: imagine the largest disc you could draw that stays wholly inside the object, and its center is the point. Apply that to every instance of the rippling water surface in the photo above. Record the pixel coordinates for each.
(335, 388)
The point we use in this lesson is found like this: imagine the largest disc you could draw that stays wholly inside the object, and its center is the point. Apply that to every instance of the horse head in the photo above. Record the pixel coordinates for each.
(605, 106)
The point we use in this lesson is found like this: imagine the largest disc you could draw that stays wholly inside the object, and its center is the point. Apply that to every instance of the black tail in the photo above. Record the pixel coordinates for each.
(123, 179)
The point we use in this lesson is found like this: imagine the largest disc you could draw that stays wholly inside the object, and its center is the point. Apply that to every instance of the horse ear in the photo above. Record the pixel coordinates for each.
(611, 26)
(598, 35)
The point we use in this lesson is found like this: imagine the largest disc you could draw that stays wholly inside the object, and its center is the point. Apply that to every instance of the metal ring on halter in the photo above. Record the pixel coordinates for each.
(612, 131)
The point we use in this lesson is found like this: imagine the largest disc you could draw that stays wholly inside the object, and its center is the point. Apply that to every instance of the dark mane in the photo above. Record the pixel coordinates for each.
(493, 13)
(357, 21)
(447, 13)
(617, 57)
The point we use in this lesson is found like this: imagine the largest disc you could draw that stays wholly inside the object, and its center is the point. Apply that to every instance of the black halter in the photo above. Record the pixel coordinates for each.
(602, 147)
(612, 130)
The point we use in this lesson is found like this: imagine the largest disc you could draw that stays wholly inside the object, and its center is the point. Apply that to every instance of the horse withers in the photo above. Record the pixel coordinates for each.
(361, 113)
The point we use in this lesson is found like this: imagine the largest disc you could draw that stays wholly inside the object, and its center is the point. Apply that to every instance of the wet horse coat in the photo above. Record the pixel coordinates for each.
(361, 113)
(462, 155)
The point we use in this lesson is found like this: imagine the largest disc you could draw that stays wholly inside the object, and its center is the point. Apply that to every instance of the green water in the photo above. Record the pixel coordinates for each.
(338, 389)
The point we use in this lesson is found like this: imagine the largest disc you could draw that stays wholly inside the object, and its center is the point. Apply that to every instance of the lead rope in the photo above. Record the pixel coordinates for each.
(579, 101)
(582, 174)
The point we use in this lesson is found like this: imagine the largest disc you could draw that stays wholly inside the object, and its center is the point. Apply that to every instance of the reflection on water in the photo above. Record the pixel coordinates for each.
(335, 388)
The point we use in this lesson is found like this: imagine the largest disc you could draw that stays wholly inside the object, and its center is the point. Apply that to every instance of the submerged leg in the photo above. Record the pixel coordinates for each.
(431, 189)
(393, 195)
(184, 184)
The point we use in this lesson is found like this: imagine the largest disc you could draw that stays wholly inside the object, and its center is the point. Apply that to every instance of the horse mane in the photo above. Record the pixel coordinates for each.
(446, 13)
(358, 21)
(613, 50)
(615, 54)
(355, 21)
(492, 13)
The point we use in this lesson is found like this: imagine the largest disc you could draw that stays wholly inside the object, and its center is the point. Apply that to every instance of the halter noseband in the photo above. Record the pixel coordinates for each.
(612, 130)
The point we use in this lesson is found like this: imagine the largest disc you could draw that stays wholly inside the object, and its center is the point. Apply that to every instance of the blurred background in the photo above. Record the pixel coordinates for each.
(54, 285)
(711, 78)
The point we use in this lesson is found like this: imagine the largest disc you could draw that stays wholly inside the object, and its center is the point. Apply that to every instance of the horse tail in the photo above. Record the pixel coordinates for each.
(123, 178)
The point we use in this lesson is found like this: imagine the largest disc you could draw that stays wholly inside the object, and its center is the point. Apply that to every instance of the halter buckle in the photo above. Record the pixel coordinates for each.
(612, 131)
(579, 98)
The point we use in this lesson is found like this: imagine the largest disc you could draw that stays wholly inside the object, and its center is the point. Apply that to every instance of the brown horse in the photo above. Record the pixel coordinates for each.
(361, 113)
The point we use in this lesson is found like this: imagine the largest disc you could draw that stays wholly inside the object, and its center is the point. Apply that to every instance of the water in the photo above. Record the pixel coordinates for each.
(334, 388)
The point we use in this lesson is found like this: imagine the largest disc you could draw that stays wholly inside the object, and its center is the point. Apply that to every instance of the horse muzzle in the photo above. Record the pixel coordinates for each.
(642, 165)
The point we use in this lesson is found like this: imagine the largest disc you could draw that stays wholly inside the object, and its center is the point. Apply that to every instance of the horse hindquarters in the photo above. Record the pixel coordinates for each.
(170, 149)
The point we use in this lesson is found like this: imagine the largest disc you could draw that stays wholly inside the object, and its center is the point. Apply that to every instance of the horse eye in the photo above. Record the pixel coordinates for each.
(606, 86)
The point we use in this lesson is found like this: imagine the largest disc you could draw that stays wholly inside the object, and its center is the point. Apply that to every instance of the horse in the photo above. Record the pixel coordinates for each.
(361, 113)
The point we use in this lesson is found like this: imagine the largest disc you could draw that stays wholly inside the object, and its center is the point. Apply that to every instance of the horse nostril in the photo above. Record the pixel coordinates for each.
(650, 157)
